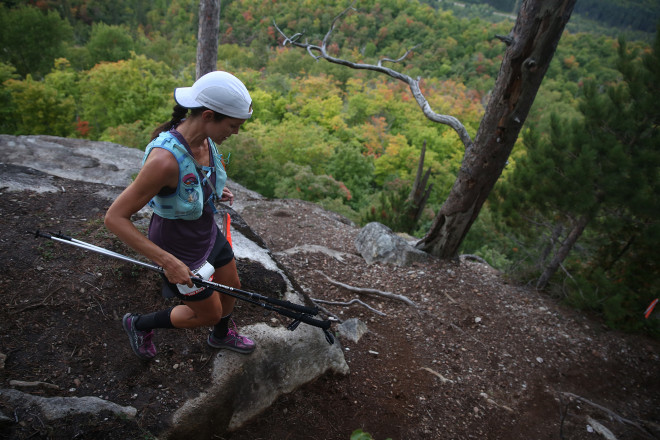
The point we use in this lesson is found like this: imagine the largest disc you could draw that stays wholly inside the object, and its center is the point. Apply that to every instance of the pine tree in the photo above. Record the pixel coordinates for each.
(596, 179)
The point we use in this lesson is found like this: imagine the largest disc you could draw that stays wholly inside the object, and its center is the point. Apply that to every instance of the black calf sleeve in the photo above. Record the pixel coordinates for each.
(222, 327)
(160, 319)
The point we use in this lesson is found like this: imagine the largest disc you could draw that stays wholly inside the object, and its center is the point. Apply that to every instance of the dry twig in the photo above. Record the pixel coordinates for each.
(440, 376)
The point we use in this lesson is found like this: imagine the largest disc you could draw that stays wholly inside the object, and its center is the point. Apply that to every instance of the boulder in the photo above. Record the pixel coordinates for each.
(244, 386)
(378, 244)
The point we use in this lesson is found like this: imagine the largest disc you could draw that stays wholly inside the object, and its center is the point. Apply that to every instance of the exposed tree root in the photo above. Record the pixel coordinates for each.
(346, 304)
(370, 291)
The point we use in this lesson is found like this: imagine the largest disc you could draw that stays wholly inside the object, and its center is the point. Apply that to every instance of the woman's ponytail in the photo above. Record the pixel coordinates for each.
(178, 113)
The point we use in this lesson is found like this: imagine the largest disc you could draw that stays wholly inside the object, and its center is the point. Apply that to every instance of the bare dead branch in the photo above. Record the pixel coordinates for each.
(332, 26)
(309, 50)
(413, 84)
(398, 60)
(346, 304)
(370, 291)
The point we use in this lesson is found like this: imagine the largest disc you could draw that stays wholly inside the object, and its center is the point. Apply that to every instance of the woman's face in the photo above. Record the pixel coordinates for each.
(220, 131)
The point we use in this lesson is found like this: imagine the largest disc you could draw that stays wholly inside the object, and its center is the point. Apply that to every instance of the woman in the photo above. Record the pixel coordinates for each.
(181, 176)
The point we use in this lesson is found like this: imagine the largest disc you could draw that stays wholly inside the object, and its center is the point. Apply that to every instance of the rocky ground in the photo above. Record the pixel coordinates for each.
(476, 356)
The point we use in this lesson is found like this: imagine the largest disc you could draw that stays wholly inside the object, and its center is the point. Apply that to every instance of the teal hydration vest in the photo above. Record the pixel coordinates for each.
(187, 202)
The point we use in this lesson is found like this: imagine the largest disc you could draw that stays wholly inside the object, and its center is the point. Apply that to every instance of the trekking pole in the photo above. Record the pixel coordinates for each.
(220, 287)
(297, 312)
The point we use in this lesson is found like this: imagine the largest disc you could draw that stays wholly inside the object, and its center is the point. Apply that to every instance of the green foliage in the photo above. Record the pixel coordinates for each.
(135, 134)
(636, 14)
(31, 39)
(486, 241)
(7, 108)
(293, 140)
(354, 169)
(248, 164)
(38, 108)
(233, 56)
(298, 182)
(124, 92)
(109, 43)
(359, 434)
(392, 208)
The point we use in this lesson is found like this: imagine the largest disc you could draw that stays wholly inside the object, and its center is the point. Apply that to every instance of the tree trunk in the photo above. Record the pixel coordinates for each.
(563, 251)
(207, 36)
(419, 194)
(556, 232)
(532, 45)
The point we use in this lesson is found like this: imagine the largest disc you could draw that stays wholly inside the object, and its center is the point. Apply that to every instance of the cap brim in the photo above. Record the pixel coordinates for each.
(184, 97)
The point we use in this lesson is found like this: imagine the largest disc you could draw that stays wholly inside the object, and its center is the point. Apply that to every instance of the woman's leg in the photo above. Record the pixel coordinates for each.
(214, 311)
(227, 275)
(222, 336)
(193, 314)
(209, 311)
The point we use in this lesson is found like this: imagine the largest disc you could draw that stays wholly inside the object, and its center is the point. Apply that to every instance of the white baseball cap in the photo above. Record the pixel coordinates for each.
(219, 91)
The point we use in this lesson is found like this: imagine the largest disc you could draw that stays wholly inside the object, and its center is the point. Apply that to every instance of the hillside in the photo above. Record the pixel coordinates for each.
(478, 358)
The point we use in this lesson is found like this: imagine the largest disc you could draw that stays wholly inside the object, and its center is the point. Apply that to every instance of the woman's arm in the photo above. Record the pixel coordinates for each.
(160, 170)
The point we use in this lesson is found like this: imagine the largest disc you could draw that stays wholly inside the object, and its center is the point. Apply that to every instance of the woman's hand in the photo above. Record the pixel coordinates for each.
(177, 272)
(227, 196)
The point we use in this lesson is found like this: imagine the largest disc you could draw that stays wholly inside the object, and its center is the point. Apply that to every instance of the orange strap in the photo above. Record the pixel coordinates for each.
(227, 228)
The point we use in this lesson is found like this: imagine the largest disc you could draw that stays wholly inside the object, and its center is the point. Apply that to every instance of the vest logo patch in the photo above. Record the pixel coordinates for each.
(190, 179)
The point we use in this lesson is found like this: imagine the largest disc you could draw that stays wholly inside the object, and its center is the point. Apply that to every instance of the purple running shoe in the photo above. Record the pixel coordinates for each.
(233, 341)
(141, 341)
